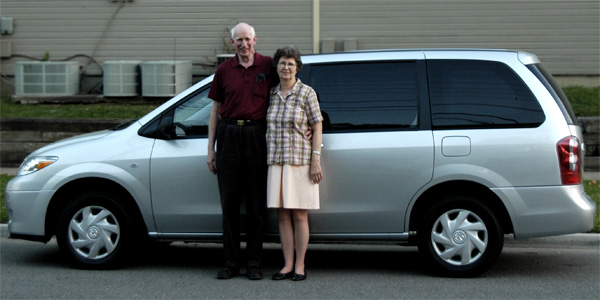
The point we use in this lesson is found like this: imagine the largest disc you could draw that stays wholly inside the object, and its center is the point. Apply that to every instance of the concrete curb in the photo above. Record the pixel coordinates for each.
(570, 240)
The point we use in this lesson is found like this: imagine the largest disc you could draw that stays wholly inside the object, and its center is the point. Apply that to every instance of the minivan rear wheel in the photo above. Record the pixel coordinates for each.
(94, 230)
(460, 237)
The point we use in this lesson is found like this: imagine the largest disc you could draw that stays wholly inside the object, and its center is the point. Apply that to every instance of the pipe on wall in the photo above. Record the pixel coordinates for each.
(316, 25)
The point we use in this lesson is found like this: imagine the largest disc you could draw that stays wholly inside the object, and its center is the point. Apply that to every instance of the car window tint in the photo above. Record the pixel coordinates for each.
(479, 94)
(191, 116)
(366, 96)
(554, 88)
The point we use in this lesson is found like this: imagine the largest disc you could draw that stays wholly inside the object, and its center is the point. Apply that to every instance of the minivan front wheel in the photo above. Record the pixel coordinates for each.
(94, 230)
(460, 237)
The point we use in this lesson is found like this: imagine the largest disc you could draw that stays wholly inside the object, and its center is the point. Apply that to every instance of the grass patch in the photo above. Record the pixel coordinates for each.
(592, 188)
(585, 101)
(66, 111)
(3, 213)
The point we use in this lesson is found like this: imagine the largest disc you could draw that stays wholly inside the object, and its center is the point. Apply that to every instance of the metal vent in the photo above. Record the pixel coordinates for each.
(221, 58)
(121, 78)
(165, 78)
(6, 25)
(46, 78)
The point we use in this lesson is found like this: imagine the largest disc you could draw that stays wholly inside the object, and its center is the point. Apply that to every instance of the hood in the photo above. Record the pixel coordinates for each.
(46, 150)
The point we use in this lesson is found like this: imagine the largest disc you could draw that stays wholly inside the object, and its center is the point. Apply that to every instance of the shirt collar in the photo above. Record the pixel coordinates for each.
(295, 89)
(257, 60)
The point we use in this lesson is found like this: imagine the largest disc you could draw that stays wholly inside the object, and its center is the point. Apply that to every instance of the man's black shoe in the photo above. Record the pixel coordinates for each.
(228, 273)
(254, 273)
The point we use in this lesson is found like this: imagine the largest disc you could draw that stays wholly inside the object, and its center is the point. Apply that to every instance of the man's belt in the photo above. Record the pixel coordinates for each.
(243, 122)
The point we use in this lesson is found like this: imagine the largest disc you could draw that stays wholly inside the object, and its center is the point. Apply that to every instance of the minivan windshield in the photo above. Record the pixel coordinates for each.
(554, 88)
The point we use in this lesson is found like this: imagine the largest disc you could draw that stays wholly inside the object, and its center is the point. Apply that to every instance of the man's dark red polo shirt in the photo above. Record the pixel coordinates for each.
(243, 92)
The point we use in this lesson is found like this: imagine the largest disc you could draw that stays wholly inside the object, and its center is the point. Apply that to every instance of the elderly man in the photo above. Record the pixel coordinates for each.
(240, 91)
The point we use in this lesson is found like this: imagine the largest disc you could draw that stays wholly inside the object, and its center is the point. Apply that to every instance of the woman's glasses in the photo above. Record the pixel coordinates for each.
(282, 65)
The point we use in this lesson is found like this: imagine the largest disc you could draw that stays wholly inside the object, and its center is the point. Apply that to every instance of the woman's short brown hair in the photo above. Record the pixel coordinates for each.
(289, 51)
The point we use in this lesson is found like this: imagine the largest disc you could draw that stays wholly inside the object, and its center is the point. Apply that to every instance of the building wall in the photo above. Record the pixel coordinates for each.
(564, 34)
(101, 30)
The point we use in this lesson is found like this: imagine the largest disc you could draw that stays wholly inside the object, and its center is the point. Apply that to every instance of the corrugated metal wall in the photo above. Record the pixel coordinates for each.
(564, 34)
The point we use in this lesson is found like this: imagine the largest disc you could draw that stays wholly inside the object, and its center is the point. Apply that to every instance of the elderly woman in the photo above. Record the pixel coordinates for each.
(294, 161)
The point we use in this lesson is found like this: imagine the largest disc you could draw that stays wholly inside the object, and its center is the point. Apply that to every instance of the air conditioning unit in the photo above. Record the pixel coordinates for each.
(44, 78)
(223, 57)
(6, 27)
(165, 78)
(121, 78)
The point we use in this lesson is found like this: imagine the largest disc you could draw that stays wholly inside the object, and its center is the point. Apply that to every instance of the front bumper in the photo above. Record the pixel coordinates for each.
(27, 214)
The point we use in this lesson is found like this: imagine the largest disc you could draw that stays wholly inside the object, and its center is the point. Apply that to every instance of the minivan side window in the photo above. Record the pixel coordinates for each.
(366, 96)
(191, 116)
(479, 94)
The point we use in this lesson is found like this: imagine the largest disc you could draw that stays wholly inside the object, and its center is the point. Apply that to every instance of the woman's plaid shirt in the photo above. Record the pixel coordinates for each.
(287, 122)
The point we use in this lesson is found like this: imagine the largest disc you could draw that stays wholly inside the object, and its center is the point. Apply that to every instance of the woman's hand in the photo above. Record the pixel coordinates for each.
(316, 175)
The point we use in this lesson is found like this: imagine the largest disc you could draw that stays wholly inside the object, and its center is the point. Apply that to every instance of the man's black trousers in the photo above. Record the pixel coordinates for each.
(242, 175)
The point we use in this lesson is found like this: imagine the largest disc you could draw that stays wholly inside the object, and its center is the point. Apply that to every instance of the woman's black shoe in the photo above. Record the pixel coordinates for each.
(282, 276)
(298, 277)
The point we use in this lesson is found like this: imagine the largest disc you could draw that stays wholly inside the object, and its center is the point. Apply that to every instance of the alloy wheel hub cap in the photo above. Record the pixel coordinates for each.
(93, 232)
(459, 237)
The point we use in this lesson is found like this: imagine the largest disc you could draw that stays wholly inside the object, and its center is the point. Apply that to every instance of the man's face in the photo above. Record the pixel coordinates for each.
(244, 42)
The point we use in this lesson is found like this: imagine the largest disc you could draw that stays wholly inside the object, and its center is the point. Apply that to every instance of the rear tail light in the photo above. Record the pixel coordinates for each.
(569, 160)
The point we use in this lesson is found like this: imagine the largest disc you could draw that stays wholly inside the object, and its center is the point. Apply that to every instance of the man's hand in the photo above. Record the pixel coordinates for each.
(211, 161)
(308, 134)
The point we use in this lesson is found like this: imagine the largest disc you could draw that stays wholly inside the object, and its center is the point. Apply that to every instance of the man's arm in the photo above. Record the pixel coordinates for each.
(211, 160)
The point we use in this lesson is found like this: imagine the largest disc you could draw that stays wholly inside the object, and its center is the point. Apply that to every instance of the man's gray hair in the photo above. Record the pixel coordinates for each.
(236, 26)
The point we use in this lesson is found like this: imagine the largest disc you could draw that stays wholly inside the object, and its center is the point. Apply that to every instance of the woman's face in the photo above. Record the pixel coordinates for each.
(287, 68)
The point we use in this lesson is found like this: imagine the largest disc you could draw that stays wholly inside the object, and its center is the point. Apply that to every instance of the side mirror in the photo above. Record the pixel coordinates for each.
(166, 130)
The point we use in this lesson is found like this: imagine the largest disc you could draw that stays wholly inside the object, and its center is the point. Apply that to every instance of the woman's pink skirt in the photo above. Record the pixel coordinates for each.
(290, 187)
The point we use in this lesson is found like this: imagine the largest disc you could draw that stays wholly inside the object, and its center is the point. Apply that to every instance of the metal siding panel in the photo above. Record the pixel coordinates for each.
(564, 34)
(152, 30)
(560, 32)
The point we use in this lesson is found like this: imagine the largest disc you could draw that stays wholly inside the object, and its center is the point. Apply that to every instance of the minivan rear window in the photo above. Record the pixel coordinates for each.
(554, 88)
(367, 96)
(480, 94)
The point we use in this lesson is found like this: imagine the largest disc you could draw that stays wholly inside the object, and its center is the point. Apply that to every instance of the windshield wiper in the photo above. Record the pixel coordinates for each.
(123, 125)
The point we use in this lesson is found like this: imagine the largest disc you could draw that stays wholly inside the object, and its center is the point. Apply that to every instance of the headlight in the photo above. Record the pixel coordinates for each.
(35, 163)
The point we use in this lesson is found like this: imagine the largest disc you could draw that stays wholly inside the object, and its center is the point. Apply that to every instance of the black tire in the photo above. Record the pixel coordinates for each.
(460, 237)
(94, 231)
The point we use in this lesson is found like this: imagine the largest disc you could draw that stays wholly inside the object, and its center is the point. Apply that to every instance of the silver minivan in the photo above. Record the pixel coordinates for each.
(448, 150)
